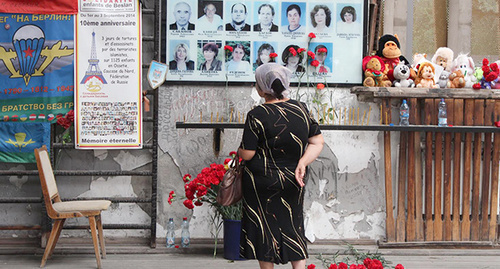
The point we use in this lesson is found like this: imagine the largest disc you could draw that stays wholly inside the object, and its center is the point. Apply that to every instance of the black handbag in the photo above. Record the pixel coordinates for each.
(230, 188)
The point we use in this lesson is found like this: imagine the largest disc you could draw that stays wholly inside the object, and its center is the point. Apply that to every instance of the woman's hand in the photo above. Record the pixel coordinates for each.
(300, 172)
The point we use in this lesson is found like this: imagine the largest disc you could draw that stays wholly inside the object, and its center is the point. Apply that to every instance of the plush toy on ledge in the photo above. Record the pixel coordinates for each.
(456, 80)
(402, 76)
(375, 76)
(389, 50)
(425, 76)
(443, 79)
(466, 65)
(443, 57)
(491, 79)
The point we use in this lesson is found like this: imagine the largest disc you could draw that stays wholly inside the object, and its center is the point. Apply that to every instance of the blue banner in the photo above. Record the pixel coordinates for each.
(19, 140)
(36, 66)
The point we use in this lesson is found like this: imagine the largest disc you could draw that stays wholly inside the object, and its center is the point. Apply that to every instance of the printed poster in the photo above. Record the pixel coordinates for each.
(108, 75)
(221, 40)
(36, 66)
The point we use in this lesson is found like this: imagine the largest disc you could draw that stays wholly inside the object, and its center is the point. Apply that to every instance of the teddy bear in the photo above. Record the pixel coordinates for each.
(490, 78)
(456, 80)
(402, 76)
(443, 79)
(425, 76)
(466, 65)
(443, 57)
(374, 68)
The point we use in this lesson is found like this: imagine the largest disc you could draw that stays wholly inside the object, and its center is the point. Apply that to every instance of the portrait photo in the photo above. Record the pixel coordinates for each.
(348, 18)
(237, 16)
(210, 55)
(293, 17)
(210, 14)
(181, 14)
(323, 55)
(265, 17)
(320, 18)
(291, 59)
(261, 53)
(181, 55)
(239, 58)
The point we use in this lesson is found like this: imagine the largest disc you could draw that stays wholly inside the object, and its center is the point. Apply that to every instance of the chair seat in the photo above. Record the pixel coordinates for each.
(76, 206)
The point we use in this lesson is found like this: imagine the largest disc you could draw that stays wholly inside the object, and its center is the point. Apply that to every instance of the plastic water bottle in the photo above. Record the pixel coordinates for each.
(185, 233)
(442, 116)
(170, 233)
(404, 114)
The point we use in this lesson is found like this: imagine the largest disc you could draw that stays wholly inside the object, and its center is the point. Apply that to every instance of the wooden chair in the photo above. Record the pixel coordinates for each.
(60, 211)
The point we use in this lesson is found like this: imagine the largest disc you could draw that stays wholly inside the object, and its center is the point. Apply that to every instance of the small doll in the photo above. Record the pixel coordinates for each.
(425, 76)
(466, 65)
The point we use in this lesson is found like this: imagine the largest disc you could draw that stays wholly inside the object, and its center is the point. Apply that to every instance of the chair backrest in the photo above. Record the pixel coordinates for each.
(47, 179)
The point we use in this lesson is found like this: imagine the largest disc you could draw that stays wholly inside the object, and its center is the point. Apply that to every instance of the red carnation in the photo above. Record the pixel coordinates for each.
(399, 266)
(322, 50)
(300, 50)
(342, 265)
(312, 35)
(476, 86)
(360, 266)
(497, 123)
(198, 203)
(320, 86)
(273, 55)
(367, 262)
(64, 122)
(311, 54)
(292, 51)
(333, 266)
(188, 203)
(229, 48)
(311, 266)
(485, 61)
(353, 266)
(315, 63)
(186, 178)
(70, 116)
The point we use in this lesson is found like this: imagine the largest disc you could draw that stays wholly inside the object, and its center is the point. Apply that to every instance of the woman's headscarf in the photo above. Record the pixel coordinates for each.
(267, 73)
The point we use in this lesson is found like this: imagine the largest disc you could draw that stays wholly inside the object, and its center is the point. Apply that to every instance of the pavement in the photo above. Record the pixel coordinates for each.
(200, 255)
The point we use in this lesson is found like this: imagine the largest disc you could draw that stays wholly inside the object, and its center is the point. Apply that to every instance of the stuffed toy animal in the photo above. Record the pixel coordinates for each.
(402, 76)
(425, 76)
(456, 80)
(443, 79)
(374, 68)
(418, 58)
(466, 65)
(389, 50)
(490, 78)
(443, 57)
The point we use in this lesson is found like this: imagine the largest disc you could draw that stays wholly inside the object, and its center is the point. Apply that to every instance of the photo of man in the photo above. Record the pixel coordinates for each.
(266, 16)
(182, 14)
(238, 18)
(210, 20)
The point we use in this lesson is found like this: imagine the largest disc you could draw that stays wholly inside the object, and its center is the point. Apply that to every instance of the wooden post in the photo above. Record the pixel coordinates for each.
(410, 230)
(401, 217)
(438, 179)
(488, 121)
(458, 114)
(447, 174)
(390, 229)
(494, 178)
(429, 224)
(469, 112)
(476, 168)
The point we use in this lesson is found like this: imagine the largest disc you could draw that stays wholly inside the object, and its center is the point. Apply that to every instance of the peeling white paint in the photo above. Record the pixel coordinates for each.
(128, 161)
(100, 154)
(18, 181)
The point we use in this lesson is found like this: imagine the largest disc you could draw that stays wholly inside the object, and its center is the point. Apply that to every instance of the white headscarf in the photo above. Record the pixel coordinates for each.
(267, 73)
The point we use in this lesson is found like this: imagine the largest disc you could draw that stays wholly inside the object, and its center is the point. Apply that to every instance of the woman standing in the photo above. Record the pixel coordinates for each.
(280, 140)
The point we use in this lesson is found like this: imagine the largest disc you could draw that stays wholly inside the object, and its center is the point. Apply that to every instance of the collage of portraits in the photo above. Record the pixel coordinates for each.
(221, 40)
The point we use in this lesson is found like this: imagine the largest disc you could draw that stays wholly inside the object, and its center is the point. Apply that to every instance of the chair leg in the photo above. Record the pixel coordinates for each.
(93, 230)
(101, 236)
(54, 234)
(59, 224)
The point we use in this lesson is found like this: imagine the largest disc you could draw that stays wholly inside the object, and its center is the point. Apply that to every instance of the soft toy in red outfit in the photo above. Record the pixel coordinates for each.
(491, 79)
(389, 50)
(373, 69)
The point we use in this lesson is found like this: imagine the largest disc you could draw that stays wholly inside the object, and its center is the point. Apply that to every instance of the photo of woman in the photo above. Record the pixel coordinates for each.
(237, 62)
(347, 22)
(211, 63)
(181, 58)
(292, 59)
(262, 55)
(292, 20)
(321, 17)
(321, 52)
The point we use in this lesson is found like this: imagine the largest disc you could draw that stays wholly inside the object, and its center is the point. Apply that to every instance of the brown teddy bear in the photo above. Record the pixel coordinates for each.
(374, 68)
(456, 80)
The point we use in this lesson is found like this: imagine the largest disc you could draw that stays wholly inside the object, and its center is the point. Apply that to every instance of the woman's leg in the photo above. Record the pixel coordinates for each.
(266, 265)
(299, 264)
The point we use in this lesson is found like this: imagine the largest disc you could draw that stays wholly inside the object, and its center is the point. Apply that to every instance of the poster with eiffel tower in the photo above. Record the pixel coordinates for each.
(108, 75)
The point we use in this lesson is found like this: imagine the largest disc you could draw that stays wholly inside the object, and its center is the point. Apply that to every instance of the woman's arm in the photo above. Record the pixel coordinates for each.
(312, 152)
(246, 154)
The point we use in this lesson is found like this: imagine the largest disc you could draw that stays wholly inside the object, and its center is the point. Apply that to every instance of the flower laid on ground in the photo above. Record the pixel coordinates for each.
(186, 178)
(367, 264)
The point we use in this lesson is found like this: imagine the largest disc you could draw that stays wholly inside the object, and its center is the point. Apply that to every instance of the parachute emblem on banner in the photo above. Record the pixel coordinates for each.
(20, 143)
(28, 42)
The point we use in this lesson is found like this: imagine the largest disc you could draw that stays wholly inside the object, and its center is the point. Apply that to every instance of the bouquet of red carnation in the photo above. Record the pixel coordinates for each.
(204, 187)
